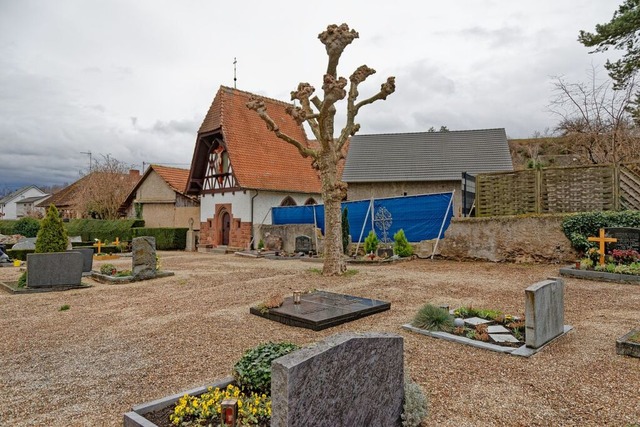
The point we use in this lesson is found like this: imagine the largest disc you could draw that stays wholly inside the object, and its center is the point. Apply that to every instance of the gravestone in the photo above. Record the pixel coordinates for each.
(143, 257)
(87, 258)
(27, 243)
(544, 312)
(303, 244)
(348, 379)
(628, 238)
(321, 310)
(57, 269)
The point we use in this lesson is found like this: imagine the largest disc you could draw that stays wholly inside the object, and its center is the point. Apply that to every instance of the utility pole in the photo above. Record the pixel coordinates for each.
(90, 161)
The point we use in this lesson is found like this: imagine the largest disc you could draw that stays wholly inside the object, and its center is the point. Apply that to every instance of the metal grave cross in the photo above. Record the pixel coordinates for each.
(383, 221)
(602, 240)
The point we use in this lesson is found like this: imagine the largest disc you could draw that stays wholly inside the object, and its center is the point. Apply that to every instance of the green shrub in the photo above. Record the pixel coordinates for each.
(105, 230)
(22, 280)
(19, 254)
(402, 247)
(52, 236)
(27, 227)
(166, 238)
(580, 226)
(108, 269)
(371, 243)
(253, 371)
(433, 318)
(415, 407)
(64, 307)
(7, 226)
(345, 230)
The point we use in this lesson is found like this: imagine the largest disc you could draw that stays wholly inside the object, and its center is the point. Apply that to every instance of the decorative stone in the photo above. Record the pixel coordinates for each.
(57, 269)
(503, 338)
(143, 251)
(273, 242)
(475, 321)
(346, 380)
(458, 322)
(497, 329)
(544, 312)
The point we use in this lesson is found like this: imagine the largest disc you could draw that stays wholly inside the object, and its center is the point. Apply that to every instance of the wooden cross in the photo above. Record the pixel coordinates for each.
(99, 245)
(117, 241)
(602, 240)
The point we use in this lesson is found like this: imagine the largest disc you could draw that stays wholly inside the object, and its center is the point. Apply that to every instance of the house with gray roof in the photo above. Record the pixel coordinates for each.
(403, 164)
(9, 205)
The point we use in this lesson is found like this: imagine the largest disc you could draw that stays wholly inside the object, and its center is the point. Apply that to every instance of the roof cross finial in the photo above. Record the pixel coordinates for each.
(235, 79)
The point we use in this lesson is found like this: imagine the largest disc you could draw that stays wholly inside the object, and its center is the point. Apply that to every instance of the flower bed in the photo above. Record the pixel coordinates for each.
(620, 266)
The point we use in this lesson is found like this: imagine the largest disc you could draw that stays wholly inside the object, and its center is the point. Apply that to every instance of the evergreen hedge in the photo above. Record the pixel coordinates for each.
(19, 254)
(27, 227)
(578, 227)
(166, 238)
(91, 229)
(7, 226)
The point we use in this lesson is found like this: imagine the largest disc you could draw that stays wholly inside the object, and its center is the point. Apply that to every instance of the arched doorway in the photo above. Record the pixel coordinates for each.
(225, 222)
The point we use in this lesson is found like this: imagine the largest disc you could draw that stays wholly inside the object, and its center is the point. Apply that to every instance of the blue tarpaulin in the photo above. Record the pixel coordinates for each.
(419, 216)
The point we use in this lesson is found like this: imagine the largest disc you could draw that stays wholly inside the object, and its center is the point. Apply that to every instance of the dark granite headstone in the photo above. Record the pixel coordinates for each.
(87, 258)
(303, 244)
(321, 310)
(346, 380)
(628, 238)
(143, 257)
(57, 269)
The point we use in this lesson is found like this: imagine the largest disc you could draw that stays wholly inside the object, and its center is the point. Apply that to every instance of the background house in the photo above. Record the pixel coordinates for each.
(96, 195)
(159, 198)
(15, 205)
(240, 169)
(401, 164)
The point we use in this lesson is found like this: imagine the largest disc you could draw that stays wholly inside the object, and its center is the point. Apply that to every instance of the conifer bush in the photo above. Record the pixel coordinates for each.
(402, 247)
(52, 236)
(371, 243)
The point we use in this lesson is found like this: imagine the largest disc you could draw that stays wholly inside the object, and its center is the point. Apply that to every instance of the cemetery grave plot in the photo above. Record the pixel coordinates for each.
(617, 258)
(629, 344)
(320, 310)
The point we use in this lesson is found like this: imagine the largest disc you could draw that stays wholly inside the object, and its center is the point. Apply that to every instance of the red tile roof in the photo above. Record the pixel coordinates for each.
(176, 178)
(259, 159)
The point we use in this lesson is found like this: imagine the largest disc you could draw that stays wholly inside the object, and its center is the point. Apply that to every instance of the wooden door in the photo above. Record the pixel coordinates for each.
(226, 226)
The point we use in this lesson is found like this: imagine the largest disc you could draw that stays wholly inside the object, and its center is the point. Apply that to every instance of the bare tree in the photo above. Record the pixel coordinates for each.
(596, 119)
(102, 191)
(321, 121)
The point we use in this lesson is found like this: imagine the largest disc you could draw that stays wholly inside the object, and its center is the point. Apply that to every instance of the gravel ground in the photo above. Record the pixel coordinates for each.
(121, 345)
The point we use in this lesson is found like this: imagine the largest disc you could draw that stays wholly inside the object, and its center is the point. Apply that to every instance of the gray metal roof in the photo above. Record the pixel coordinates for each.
(32, 199)
(426, 156)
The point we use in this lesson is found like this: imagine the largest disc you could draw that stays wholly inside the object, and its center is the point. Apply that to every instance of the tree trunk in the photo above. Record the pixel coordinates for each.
(333, 192)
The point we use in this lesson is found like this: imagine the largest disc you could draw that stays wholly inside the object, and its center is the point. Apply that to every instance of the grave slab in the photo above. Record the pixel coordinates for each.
(475, 321)
(503, 338)
(497, 329)
(321, 310)
(54, 269)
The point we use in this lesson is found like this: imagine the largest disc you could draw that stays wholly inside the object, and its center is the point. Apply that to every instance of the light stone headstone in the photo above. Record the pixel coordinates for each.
(348, 379)
(57, 269)
(544, 312)
(25, 244)
(143, 257)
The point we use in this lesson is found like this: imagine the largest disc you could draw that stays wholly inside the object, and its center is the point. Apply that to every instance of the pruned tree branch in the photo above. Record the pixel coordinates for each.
(257, 105)
(335, 39)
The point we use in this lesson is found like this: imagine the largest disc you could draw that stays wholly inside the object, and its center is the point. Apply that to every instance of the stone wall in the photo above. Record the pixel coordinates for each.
(288, 234)
(513, 239)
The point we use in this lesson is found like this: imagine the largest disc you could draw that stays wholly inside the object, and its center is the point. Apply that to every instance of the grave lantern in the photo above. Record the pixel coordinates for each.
(296, 297)
(229, 412)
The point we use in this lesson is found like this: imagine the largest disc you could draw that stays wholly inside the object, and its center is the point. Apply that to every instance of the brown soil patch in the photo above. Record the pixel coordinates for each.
(121, 345)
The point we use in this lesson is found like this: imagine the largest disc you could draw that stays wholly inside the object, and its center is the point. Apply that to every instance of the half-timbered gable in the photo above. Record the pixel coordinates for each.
(240, 169)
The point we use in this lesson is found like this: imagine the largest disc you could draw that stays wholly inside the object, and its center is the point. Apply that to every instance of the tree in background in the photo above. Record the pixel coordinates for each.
(104, 189)
(621, 33)
(596, 120)
(52, 236)
(321, 121)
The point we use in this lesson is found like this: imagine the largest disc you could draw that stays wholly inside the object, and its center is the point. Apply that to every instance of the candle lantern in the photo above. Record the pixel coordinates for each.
(229, 412)
(296, 297)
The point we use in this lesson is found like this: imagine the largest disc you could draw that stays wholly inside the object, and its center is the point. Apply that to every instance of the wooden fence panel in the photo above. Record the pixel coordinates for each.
(630, 186)
(506, 193)
(578, 189)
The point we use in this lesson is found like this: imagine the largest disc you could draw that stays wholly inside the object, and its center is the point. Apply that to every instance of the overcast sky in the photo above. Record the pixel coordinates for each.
(134, 79)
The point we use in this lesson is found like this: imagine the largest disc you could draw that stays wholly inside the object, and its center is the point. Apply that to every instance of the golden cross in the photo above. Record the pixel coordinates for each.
(99, 245)
(117, 241)
(602, 240)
